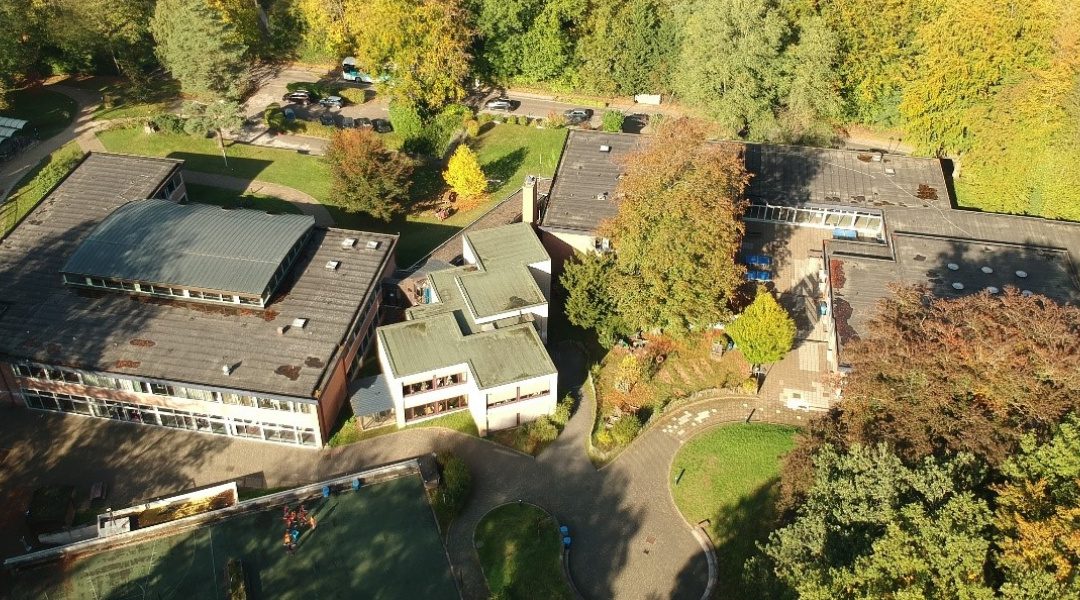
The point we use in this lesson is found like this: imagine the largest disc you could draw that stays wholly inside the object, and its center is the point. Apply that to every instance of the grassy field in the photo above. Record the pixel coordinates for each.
(380, 542)
(507, 153)
(518, 545)
(36, 183)
(49, 112)
(205, 194)
(728, 476)
(347, 433)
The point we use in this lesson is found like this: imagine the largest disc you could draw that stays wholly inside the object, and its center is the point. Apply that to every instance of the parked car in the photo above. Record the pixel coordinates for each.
(332, 101)
(346, 122)
(502, 103)
(349, 71)
(326, 120)
(381, 126)
(577, 116)
(363, 123)
(302, 97)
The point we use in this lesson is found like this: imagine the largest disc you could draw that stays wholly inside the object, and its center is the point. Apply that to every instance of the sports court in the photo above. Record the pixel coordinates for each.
(379, 542)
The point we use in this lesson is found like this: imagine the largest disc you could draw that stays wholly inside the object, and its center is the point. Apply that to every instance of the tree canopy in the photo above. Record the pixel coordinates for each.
(590, 303)
(201, 50)
(677, 231)
(367, 176)
(464, 175)
(764, 332)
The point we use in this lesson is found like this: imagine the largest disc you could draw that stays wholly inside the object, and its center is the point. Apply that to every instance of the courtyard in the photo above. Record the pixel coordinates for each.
(371, 543)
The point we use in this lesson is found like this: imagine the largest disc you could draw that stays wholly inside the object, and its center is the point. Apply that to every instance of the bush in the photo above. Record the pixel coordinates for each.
(274, 117)
(455, 486)
(485, 118)
(563, 411)
(612, 121)
(472, 127)
(625, 430)
(318, 90)
(407, 123)
(543, 430)
(439, 132)
(604, 439)
(555, 120)
(354, 95)
(749, 385)
(168, 123)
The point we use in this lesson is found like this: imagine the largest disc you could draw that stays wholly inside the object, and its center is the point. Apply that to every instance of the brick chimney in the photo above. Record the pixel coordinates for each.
(530, 208)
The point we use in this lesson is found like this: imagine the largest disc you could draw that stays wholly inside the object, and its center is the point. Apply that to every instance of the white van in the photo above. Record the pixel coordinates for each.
(349, 72)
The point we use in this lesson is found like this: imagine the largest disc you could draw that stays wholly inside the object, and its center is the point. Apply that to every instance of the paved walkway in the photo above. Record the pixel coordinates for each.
(304, 202)
(83, 124)
(629, 539)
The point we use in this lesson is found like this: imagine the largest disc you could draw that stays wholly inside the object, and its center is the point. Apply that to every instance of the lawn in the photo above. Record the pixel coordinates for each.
(379, 542)
(305, 173)
(124, 99)
(36, 183)
(507, 154)
(49, 112)
(518, 546)
(205, 194)
(728, 476)
(347, 433)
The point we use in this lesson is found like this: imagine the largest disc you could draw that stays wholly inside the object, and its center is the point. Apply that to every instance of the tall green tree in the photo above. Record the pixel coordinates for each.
(590, 303)
(873, 527)
(627, 48)
(366, 175)
(20, 43)
(730, 64)
(764, 332)
(199, 48)
(812, 101)
(464, 175)
(422, 46)
(550, 41)
(214, 117)
(677, 230)
(500, 27)
(115, 28)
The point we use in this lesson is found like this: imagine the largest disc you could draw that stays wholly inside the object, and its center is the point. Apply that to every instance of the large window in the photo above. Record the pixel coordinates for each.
(432, 409)
(167, 417)
(434, 383)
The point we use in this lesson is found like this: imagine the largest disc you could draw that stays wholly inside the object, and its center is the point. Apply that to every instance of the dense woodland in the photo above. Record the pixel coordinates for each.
(994, 84)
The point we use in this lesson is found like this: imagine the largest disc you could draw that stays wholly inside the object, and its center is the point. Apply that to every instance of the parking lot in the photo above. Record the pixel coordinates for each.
(272, 86)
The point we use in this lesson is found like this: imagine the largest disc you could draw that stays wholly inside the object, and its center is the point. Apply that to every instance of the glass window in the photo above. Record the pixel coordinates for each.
(304, 407)
(307, 437)
(23, 371)
(160, 389)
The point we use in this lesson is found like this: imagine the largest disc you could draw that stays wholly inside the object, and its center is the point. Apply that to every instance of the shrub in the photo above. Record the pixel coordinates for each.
(354, 95)
(543, 430)
(274, 117)
(604, 439)
(625, 430)
(612, 121)
(472, 127)
(456, 484)
(749, 385)
(407, 123)
(439, 132)
(563, 411)
(168, 123)
(555, 120)
(485, 118)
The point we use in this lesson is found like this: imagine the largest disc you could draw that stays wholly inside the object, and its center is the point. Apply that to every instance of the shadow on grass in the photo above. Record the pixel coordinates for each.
(736, 531)
(247, 169)
(504, 167)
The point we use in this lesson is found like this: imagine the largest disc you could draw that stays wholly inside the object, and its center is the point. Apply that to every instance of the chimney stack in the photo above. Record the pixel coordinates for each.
(530, 209)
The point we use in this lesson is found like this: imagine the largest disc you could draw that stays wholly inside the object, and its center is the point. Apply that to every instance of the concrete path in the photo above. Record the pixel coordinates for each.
(304, 202)
(83, 124)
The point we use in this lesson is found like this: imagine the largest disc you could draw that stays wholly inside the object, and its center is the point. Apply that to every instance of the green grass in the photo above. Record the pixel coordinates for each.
(305, 173)
(36, 183)
(347, 433)
(379, 542)
(729, 477)
(49, 112)
(125, 99)
(205, 194)
(518, 546)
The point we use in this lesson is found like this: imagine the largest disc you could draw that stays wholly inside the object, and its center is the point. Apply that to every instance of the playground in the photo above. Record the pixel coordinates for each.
(378, 542)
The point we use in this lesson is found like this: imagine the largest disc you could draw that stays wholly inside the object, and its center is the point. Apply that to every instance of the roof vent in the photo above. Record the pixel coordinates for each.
(348, 242)
(877, 156)
(992, 289)
(227, 369)
(1021, 274)
(953, 267)
(890, 171)
(299, 323)
(987, 270)
(957, 286)
(1027, 293)
(605, 148)
(332, 265)
(373, 245)
(282, 329)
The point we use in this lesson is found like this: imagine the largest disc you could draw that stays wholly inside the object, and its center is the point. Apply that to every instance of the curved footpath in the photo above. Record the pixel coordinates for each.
(629, 539)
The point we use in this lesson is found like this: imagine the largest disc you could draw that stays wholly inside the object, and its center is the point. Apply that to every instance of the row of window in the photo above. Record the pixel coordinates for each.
(160, 290)
(44, 373)
(432, 409)
(518, 397)
(167, 417)
(434, 383)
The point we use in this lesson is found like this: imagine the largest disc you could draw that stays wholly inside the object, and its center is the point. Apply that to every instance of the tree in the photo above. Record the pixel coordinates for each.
(199, 48)
(422, 46)
(677, 230)
(812, 102)
(550, 41)
(764, 332)
(326, 29)
(590, 303)
(367, 176)
(464, 175)
(19, 44)
(117, 28)
(872, 527)
(1038, 513)
(215, 117)
(627, 47)
(244, 16)
(500, 29)
(730, 64)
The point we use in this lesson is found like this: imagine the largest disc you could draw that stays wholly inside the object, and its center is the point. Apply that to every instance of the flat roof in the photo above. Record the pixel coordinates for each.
(370, 395)
(507, 246)
(166, 339)
(489, 293)
(190, 246)
(583, 193)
